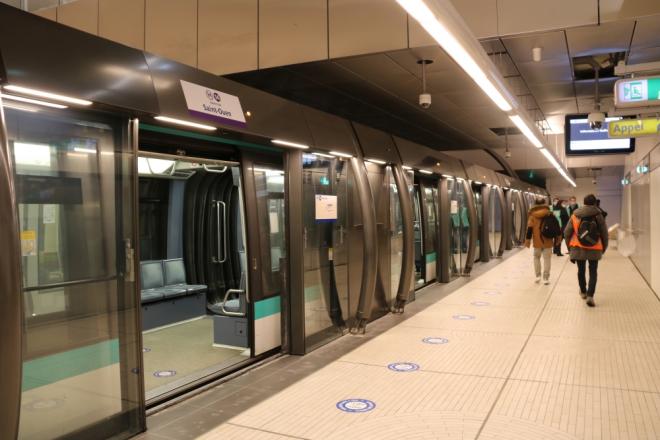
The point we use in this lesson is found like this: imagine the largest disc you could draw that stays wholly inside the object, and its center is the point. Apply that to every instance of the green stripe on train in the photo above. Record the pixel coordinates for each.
(55, 367)
(267, 307)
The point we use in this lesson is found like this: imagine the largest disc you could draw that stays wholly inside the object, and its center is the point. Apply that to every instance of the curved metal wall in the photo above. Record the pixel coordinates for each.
(474, 228)
(405, 280)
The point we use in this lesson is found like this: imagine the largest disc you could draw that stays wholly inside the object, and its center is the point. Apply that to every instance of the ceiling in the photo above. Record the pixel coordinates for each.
(382, 89)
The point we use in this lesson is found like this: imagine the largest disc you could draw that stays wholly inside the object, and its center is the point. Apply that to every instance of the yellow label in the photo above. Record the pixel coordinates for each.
(28, 235)
(626, 128)
(29, 243)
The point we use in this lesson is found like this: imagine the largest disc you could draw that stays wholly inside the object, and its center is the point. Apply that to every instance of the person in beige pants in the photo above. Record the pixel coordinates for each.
(542, 245)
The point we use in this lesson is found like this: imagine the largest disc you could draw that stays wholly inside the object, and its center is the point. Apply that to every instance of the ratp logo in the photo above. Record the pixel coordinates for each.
(213, 96)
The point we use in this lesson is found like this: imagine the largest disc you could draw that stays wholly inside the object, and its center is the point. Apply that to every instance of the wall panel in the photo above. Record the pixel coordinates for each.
(82, 14)
(366, 26)
(171, 29)
(228, 32)
(292, 31)
(122, 21)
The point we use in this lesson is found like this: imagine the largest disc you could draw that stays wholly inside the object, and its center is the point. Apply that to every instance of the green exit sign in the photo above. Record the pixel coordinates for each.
(637, 92)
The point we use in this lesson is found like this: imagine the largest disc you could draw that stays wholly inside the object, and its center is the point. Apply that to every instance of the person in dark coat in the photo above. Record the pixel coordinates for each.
(562, 215)
(602, 211)
(572, 205)
(582, 254)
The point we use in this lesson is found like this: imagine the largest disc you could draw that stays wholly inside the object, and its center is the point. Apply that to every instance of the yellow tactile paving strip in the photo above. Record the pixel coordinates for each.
(534, 363)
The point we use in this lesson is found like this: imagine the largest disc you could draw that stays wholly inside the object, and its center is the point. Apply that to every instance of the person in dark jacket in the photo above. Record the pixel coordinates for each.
(542, 245)
(602, 211)
(572, 205)
(582, 254)
(562, 215)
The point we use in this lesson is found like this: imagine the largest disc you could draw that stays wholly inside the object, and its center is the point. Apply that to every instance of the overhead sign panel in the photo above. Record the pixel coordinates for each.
(627, 128)
(637, 92)
(213, 105)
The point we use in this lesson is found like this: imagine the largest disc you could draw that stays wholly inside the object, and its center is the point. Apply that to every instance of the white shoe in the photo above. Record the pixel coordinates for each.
(538, 280)
(546, 282)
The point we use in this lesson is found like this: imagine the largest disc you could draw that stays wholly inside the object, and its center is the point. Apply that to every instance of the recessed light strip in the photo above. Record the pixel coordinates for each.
(420, 11)
(376, 161)
(185, 123)
(32, 101)
(47, 95)
(290, 144)
(526, 131)
(329, 156)
(426, 172)
(339, 154)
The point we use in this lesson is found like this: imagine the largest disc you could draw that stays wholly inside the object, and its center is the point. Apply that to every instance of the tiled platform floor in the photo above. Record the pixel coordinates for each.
(528, 362)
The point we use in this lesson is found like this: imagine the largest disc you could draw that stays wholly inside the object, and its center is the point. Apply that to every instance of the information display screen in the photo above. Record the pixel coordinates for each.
(581, 139)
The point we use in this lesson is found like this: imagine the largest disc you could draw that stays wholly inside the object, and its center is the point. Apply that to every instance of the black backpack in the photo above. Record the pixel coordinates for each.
(588, 232)
(550, 227)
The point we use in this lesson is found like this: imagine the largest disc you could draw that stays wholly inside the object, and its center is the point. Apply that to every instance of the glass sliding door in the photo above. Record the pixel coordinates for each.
(495, 213)
(325, 248)
(74, 188)
(430, 200)
(420, 261)
(396, 236)
(478, 202)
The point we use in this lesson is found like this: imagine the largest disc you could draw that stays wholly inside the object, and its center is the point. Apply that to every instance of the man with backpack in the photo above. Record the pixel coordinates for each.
(587, 239)
(561, 213)
(543, 233)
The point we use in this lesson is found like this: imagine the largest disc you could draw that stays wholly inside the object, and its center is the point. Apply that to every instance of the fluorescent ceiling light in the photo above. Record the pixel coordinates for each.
(143, 166)
(290, 144)
(32, 154)
(406, 167)
(447, 176)
(32, 101)
(337, 153)
(85, 150)
(19, 107)
(47, 95)
(477, 182)
(526, 131)
(376, 161)
(427, 19)
(548, 155)
(426, 172)
(186, 123)
(330, 156)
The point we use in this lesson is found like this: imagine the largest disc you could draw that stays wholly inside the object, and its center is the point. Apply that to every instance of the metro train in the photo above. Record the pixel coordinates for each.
(149, 251)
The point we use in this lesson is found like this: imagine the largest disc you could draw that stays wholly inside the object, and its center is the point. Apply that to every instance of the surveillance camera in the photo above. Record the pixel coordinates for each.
(425, 100)
(507, 154)
(594, 181)
(596, 120)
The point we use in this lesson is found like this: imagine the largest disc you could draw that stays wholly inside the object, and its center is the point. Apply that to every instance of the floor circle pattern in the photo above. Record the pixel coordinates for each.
(44, 404)
(480, 303)
(403, 367)
(356, 405)
(492, 292)
(146, 350)
(435, 340)
(462, 317)
(165, 373)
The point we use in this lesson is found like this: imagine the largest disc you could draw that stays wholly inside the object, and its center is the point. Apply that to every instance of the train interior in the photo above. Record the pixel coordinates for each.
(193, 270)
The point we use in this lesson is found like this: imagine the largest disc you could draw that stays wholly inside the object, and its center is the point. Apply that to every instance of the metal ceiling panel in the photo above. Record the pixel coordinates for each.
(522, 16)
(611, 10)
(492, 45)
(479, 15)
(587, 88)
(645, 55)
(441, 61)
(552, 43)
(376, 144)
(504, 64)
(559, 107)
(646, 33)
(478, 157)
(605, 38)
(556, 91)
(546, 71)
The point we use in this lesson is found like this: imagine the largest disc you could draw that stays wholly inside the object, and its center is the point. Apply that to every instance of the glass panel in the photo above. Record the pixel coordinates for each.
(193, 269)
(269, 183)
(516, 219)
(420, 261)
(431, 229)
(478, 204)
(325, 248)
(396, 235)
(456, 228)
(74, 194)
(495, 222)
(464, 219)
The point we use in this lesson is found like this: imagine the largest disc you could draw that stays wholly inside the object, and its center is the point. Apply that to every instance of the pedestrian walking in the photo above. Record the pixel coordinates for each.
(563, 217)
(572, 205)
(587, 239)
(543, 233)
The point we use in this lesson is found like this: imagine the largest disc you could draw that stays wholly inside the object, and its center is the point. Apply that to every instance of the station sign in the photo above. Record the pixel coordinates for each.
(213, 105)
(627, 128)
(637, 92)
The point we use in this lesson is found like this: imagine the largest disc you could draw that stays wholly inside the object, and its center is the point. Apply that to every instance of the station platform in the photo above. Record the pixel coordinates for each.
(498, 358)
